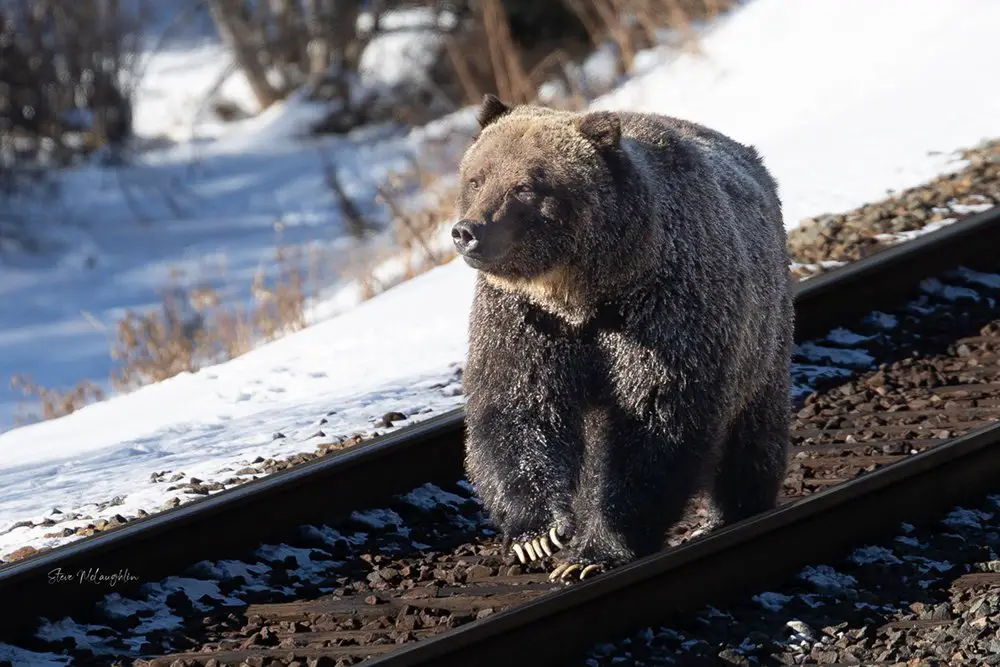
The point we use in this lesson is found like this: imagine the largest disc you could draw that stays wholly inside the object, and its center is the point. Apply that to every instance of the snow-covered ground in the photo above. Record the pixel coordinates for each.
(394, 353)
(844, 98)
(213, 204)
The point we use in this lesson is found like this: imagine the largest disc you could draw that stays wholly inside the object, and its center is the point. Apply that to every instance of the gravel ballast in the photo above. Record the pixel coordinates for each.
(928, 596)
(825, 242)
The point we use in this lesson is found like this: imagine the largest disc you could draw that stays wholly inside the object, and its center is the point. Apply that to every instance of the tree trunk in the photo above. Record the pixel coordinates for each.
(238, 37)
(318, 49)
(290, 53)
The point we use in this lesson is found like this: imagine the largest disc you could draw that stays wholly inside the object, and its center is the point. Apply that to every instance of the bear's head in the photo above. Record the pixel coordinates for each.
(535, 187)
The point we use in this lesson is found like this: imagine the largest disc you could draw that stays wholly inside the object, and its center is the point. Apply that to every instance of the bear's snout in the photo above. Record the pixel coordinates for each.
(480, 243)
(466, 237)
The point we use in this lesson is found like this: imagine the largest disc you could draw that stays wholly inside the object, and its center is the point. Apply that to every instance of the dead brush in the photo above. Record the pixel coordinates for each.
(415, 223)
(557, 65)
(157, 345)
(413, 241)
(416, 227)
(633, 25)
(54, 403)
(279, 309)
(355, 222)
(192, 329)
(512, 81)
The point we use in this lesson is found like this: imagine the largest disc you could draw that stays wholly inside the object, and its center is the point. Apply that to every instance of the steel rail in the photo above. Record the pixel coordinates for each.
(267, 510)
(740, 559)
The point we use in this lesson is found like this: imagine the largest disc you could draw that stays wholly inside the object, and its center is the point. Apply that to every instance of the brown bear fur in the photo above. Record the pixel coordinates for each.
(631, 327)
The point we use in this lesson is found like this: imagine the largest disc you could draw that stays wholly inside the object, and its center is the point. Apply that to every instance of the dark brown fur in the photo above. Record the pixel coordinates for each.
(631, 329)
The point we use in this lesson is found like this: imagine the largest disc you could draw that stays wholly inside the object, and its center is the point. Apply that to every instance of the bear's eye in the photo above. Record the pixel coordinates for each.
(524, 190)
(474, 183)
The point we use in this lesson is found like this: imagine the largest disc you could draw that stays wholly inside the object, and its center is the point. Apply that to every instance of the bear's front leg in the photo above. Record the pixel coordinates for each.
(524, 468)
(639, 471)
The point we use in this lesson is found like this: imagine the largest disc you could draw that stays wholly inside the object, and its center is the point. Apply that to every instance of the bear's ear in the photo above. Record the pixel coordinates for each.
(601, 128)
(491, 110)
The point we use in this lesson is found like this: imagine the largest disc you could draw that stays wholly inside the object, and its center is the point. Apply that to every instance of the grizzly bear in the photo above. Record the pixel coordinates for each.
(630, 333)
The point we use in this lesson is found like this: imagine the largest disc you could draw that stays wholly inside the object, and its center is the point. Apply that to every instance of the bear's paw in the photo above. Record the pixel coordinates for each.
(531, 548)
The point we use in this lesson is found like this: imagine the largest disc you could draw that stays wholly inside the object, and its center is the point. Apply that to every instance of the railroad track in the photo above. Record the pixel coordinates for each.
(419, 580)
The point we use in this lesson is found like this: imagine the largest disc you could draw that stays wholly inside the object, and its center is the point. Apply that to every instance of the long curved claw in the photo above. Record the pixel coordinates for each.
(557, 572)
(538, 548)
(543, 544)
(587, 571)
(564, 571)
(570, 570)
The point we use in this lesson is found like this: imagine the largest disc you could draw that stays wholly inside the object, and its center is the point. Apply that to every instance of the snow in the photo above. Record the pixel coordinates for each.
(430, 496)
(882, 320)
(59, 317)
(963, 518)
(853, 358)
(152, 607)
(772, 601)
(949, 292)
(845, 99)
(278, 553)
(596, 75)
(970, 209)
(991, 280)
(873, 554)
(837, 126)
(80, 633)
(348, 366)
(379, 518)
(229, 569)
(800, 630)
(332, 536)
(19, 657)
(927, 564)
(412, 44)
(900, 237)
(174, 84)
(842, 336)
(825, 577)
(808, 375)
(599, 71)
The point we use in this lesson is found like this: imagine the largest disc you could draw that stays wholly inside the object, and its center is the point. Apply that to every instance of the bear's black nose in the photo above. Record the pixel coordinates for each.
(465, 237)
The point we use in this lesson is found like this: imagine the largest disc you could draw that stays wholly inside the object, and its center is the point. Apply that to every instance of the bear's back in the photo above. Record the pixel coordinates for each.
(678, 146)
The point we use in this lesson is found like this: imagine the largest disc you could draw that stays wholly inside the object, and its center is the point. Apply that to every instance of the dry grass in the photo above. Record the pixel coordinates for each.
(419, 202)
(414, 228)
(193, 328)
(355, 222)
(54, 403)
(634, 24)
